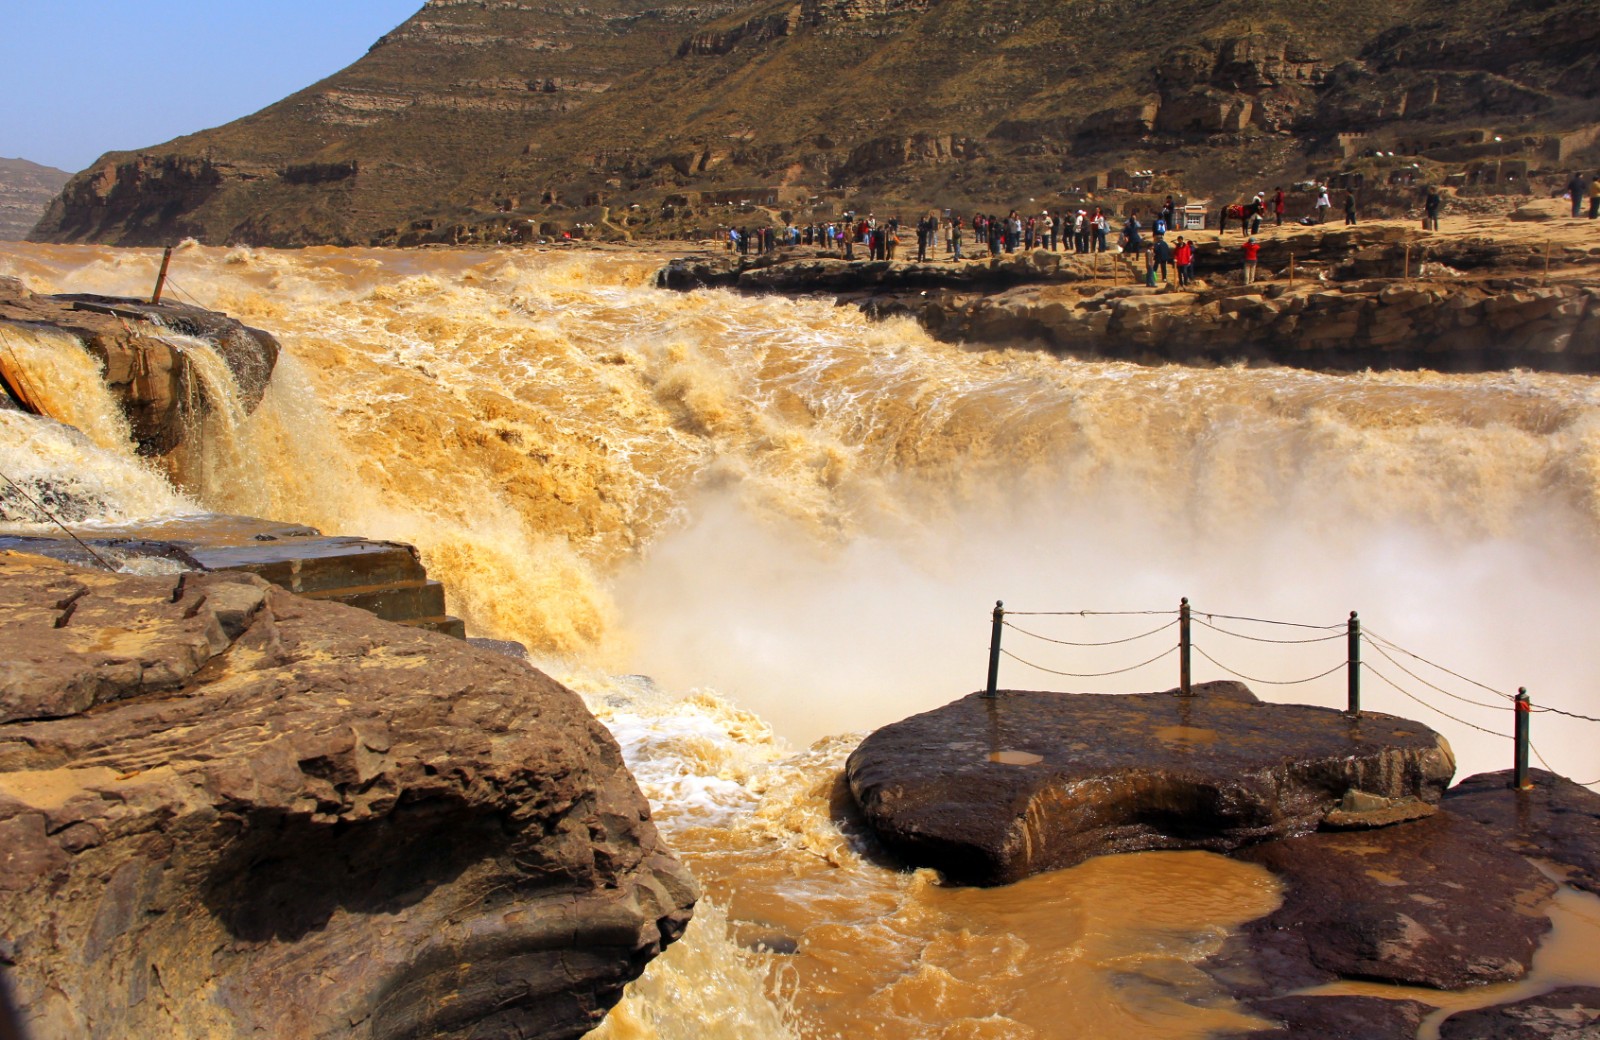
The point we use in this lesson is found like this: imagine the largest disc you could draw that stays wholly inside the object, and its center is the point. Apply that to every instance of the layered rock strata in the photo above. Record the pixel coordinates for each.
(481, 121)
(226, 810)
(991, 790)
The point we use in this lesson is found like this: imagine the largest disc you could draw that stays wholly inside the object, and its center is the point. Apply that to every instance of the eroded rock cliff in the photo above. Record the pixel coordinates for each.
(489, 121)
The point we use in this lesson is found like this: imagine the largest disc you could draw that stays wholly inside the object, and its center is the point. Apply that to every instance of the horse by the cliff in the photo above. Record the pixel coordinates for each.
(1242, 212)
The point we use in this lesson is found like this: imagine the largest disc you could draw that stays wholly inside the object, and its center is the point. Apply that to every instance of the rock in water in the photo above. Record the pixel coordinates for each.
(1433, 903)
(1555, 819)
(990, 791)
(1569, 1013)
(228, 811)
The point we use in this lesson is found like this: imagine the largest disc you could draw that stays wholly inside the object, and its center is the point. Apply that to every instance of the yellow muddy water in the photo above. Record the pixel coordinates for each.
(796, 521)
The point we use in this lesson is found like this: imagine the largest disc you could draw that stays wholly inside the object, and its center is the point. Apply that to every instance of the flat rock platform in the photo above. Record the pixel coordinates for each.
(992, 790)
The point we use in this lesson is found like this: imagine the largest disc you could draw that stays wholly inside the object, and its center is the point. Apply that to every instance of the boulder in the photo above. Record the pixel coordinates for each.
(228, 811)
(153, 379)
(992, 790)
(1437, 902)
(1555, 820)
(1569, 1013)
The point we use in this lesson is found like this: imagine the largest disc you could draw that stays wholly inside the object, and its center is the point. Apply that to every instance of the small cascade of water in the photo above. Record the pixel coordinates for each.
(76, 463)
(75, 480)
(66, 382)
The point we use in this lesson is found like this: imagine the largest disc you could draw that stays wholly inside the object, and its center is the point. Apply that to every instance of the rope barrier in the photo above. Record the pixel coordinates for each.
(1090, 675)
(1264, 621)
(52, 518)
(1430, 707)
(1556, 711)
(1111, 642)
(181, 292)
(1509, 697)
(1263, 639)
(1269, 682)
(1089, 613)
(1392, 645)
(1534, 748)
(1431, 686)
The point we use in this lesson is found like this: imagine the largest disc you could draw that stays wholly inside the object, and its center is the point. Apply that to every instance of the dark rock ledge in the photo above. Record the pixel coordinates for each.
(229, 811)
(1383, 881)
(990, 791)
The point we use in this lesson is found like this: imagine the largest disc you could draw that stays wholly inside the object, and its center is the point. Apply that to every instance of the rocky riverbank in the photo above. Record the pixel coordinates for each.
(1371, 296)
(1387, 875)
(228, 811)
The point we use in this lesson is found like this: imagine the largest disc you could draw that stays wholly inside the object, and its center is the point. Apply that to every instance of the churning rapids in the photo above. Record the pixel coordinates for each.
(795, 522)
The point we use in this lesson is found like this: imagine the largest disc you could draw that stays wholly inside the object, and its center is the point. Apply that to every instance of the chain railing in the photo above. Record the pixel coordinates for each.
(1397, 660)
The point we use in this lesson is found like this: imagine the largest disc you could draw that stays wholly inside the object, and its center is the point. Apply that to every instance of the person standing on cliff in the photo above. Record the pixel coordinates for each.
(1277, 206)
(955, 239)
(1430, 209)
(1130, 235)
(1594, 197)
(1183, 258)
(1323, 204)
(1162, 255)
(1349, 208)
(1252, 253)
(1577, 188)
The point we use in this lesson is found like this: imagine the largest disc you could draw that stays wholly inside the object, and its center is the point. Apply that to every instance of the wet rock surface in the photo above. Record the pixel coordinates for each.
(1436, 902)
(1569, 1013)
(155, 381)
(1556, 819)
(992, 790)
(1338, 1018)
(226, 810)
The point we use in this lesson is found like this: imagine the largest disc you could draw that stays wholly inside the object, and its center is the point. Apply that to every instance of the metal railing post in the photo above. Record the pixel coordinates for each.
(161, 279)
(994, 647)
(1183, 647)
(1524, 711)
(1353, 664)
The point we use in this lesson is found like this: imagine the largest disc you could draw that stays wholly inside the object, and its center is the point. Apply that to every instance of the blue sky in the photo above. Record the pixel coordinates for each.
(83, 77)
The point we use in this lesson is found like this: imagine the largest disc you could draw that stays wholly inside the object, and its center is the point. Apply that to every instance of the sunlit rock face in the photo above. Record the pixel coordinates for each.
(227, 811)
(991, 790)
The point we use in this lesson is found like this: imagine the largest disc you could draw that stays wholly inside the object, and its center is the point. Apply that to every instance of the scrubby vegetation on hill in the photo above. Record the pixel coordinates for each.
(503, 120)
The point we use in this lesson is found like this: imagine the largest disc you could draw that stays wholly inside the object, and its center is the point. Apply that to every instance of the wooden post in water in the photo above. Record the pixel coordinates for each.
(1183, 647)
(994, 647)
(161, 279)
(1524, 711)
(1353, 663)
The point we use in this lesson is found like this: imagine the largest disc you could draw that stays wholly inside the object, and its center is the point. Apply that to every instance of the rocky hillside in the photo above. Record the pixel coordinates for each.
(499, 119)
(26, 189)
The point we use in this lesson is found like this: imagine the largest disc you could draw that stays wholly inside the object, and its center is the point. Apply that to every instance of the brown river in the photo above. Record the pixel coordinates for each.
(747, 530)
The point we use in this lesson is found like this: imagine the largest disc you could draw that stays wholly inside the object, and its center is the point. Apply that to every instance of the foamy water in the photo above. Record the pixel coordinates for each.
(796, 522)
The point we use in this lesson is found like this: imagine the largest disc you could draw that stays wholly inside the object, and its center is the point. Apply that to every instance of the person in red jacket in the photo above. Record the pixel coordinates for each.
(1277, 206)
(1252, 253)
(1183, 258)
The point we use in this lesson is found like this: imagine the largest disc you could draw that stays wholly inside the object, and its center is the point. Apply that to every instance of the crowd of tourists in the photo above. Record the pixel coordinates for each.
(1166, 254)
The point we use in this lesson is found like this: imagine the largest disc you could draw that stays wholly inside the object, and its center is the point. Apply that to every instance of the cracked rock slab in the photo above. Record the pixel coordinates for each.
(228, 811)
(990, 791)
